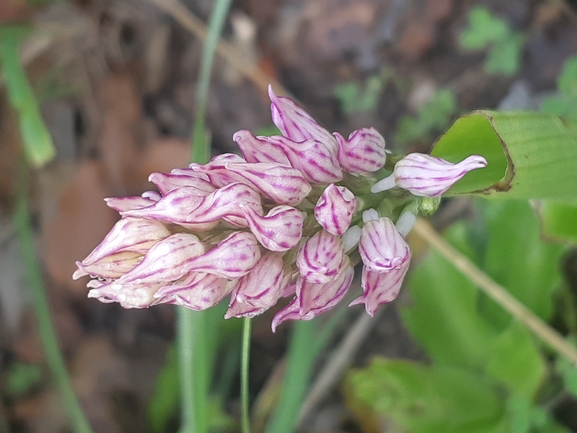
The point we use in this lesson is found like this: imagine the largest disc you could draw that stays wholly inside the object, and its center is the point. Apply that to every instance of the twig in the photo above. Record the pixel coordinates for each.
(188, 20)
(495, 291)
(339, 360)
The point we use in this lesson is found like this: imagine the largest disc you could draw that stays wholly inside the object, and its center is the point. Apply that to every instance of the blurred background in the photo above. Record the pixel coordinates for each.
(116, 82)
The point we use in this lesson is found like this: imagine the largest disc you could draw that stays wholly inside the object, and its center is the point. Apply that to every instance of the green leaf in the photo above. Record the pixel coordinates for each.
(443, 316)
(567, 81)
(558, 220)
(516, 362)
(38, 145)
(21, 378)
(428, 399)
(560, 105)
(529, 155)
(518, 259)
(505, 56)
(433, 116)
(484, 29)
(355, 98)
(165, 400)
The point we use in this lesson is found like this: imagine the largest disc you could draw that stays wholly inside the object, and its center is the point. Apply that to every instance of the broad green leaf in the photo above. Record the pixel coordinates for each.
(428, 399)
(443, 316)
(569, 373)
(518, 259)
(529, 155)
(516, 362)
(560, 105)
(484, 29)
(558, 220)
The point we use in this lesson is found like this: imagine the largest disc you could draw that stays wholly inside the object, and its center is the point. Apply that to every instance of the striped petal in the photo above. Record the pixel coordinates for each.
(321, 258)
(380, 287)
(314, 299)
(316, 160)
(335, 209)
(362, 152)
(256, 150)
(197, 291)
(426, 175)
(260, 289)
(382, 248)
(280, 230)
(294, 122)
(233, 257)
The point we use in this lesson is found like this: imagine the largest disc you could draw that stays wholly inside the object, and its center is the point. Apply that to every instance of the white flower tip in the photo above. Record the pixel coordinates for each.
(384, 184)
(370, 215)
(351, 237)
(475, 161)
(405, 223)
(79, 273)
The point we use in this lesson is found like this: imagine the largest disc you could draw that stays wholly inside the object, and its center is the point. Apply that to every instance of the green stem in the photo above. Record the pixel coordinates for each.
(244, 399)
(193, 345)
(46, 330)
(192, 371)
(300, 363)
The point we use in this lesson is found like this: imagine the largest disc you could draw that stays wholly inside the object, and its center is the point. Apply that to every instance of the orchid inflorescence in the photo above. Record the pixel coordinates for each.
(290, 218)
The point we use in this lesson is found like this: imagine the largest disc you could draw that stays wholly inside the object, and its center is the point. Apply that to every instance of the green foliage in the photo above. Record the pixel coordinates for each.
(38, 145)
(432, 118)
(165, 400)
(529, 155)
(517, 258)
(358, 98)
(486, 31)
(437, 399)
(464, 333)
(566, 103)
(22, 378)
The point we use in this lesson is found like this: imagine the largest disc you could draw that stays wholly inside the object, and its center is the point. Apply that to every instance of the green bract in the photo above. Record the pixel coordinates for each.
(529, 155)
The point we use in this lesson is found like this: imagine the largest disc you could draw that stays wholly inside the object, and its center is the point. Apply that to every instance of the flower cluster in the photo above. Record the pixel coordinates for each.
(290, 218)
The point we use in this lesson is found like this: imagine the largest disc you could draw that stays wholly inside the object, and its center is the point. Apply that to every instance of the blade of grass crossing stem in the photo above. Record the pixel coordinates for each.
(245, 417)
(194, 345)
(215, 25)
(46, 330)
(299, 367)
(38, 146)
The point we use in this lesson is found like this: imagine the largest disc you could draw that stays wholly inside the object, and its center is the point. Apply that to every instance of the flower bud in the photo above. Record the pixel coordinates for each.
(335, 209)
(280, 230)
(321, 258)
(363, 152)
(260, 289)
(428, 176)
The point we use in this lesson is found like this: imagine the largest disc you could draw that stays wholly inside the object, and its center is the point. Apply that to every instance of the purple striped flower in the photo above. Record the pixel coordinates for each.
(260, 289)
(280, 221)
(280, 230)
(362, 152)
(335, 209)
(428, 176)
(183, 207)
(386, 258)
(313, 299)
(295, 123)
(280, 183)
(321, 258)
(197, 291)
(257, 149)
(123, 247)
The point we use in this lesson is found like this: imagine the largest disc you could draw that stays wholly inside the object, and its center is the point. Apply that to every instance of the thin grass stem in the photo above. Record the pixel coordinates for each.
(244, 377)
(46, 329)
